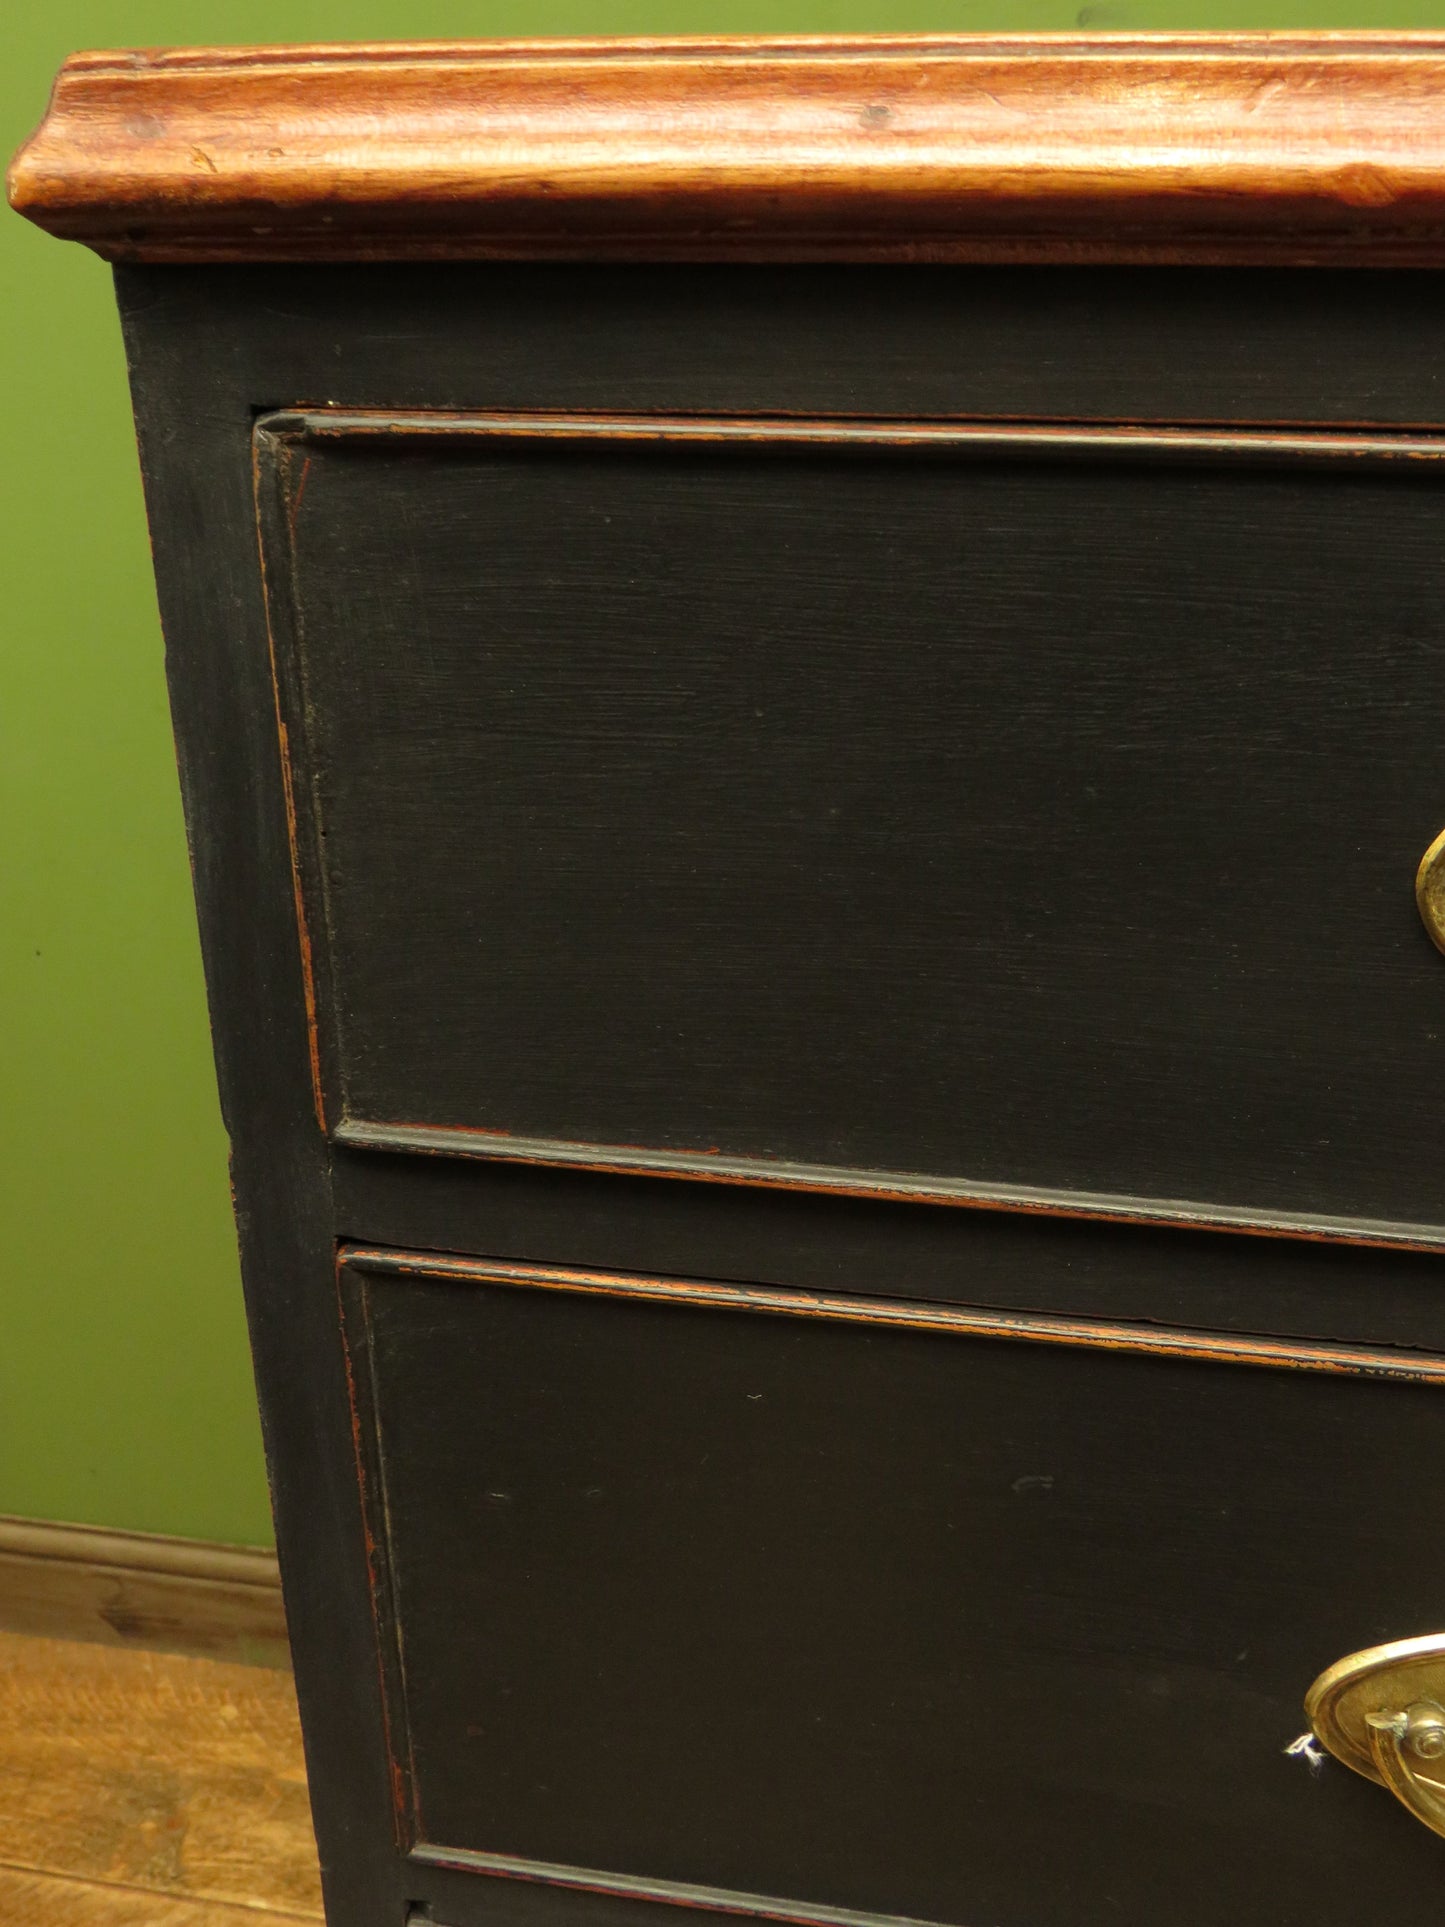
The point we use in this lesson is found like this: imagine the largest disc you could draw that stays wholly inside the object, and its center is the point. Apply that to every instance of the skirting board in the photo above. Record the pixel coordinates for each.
(141, 1590)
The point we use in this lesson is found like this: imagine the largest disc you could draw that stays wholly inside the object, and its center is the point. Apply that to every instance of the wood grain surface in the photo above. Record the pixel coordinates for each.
(148, 1788)
(56, 1900)
(1301, 148)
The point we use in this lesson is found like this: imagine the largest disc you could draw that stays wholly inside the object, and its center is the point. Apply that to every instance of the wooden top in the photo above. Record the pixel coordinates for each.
(1294, 148)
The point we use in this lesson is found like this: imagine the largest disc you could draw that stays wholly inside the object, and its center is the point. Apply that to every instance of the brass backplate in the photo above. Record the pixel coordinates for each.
(1430, 891)
(1381, 1680)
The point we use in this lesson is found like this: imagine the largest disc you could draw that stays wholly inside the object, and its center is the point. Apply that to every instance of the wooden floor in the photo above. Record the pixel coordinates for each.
(144, 1790)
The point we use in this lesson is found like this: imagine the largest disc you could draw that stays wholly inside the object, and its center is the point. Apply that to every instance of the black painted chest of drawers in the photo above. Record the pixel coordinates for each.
(804, 819)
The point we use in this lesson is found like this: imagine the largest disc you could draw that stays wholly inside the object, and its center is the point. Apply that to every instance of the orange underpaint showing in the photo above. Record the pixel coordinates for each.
(320, 421)
(368, 1536)
(398, 1798)
(303, 934)
(1355, 1361)
(308, 978)
(495, 1135)
(1267, 441)
(400, 1806)
(295, 508)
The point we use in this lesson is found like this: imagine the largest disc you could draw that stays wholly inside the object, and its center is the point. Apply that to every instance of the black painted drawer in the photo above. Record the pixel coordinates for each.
(938, 811)
(877, 1607)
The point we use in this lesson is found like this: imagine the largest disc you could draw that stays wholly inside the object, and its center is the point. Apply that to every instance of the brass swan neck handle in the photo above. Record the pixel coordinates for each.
(1399, 1742)
(1382, 1712)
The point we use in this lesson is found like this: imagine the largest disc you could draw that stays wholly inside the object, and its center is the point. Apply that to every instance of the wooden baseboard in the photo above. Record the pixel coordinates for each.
(138, 1589)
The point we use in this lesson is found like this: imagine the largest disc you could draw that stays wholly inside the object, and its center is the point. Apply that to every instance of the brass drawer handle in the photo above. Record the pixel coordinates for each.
(1430, 891)
(1382, 1712)
(1398, 1741)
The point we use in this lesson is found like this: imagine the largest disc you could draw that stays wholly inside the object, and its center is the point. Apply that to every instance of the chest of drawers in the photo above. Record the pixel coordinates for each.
(808, 684)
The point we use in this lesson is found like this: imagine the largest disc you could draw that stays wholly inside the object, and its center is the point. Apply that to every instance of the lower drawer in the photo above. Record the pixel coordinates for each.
(822, 1606)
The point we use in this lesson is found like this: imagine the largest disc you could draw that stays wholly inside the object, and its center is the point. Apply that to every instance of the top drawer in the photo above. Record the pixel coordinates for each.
(945, 811)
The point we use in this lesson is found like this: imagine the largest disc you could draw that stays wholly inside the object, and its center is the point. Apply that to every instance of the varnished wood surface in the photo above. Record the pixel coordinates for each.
(139, 1589)
(56, 1900)
(149, 1790)
(1302, 148)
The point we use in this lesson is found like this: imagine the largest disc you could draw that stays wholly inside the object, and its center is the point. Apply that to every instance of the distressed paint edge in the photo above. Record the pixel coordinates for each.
(320, 425)
(1158, 1341)
(274, 503)
(354, 1327)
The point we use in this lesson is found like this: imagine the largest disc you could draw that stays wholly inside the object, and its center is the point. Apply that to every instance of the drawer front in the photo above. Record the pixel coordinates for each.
(942, 811)
(794, 1605)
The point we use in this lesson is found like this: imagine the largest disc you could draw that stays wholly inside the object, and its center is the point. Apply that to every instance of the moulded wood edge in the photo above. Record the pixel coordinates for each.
(1295, 148)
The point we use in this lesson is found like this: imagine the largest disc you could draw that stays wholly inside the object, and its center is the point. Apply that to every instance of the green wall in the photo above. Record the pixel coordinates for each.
(125, 1392)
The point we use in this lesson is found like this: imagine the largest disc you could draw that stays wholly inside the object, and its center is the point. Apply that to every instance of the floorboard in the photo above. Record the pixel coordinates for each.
(128, 1778)
(56, 1900)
